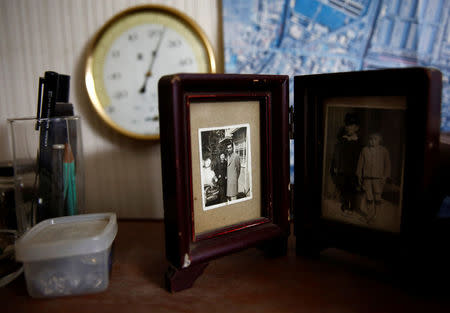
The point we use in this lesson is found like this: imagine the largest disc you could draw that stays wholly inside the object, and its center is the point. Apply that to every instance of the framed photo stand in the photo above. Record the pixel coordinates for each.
(366, 165)
(225, 166)
(366, 155)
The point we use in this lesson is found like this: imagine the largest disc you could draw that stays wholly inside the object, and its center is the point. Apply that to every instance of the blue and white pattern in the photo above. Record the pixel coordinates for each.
(298, 37)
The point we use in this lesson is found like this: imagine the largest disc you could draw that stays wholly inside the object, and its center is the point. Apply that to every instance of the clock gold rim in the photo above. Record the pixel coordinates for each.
(89, 78)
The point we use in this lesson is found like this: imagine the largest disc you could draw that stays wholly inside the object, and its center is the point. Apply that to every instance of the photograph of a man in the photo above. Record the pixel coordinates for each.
(228, 149)
(222, 168)
(233, 172)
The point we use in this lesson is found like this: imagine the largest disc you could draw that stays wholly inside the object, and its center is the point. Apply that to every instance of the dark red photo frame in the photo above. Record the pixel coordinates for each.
(188, 253)
(421, 89)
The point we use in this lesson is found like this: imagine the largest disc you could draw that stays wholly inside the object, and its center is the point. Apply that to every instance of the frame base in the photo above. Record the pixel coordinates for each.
(180, 279)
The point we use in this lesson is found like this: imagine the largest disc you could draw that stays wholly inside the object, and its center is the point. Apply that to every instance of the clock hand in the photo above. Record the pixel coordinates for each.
(148, 74)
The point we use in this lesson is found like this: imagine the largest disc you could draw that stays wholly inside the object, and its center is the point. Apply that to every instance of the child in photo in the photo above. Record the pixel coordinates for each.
(209, 176)
(344, 162)
(374, 167)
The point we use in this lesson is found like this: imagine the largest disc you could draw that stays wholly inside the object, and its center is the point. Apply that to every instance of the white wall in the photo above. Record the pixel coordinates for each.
(122, 175)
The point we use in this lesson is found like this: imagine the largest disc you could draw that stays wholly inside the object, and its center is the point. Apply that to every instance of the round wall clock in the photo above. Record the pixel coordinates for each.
(130, 53)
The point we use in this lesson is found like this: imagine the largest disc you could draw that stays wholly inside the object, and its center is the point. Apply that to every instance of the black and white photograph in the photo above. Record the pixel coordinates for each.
(226, 174)
(363, 164)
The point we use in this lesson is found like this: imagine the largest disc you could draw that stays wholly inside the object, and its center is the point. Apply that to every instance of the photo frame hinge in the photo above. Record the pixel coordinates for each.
(291, 122)
(291, 201)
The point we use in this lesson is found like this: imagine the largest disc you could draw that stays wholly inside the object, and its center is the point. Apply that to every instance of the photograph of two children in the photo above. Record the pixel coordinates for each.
(363, 166)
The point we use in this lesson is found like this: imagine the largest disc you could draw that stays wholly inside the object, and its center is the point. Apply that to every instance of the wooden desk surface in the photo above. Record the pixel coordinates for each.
(243, 282)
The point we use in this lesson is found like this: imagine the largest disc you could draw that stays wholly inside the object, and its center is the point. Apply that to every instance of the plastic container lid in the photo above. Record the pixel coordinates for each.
(67, 236)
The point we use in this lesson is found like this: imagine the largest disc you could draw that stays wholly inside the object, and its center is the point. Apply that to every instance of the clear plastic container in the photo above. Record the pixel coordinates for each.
(57, 165)
(68, 255)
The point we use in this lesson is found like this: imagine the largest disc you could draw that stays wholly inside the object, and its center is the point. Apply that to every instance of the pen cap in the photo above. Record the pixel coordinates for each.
(62, 94)
(59, 84)
(53, 87)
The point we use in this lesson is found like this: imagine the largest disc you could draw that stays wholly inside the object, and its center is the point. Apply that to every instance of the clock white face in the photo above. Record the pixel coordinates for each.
(128, 62)
(133, 66)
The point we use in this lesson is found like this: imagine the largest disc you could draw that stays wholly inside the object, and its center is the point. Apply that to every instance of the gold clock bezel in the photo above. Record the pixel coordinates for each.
(90, 82)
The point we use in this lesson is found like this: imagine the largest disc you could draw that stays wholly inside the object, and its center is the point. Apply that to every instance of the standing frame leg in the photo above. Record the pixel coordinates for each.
(180, 279)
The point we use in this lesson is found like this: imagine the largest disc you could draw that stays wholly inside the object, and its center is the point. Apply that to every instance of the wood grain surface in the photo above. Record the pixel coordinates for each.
(242, 282)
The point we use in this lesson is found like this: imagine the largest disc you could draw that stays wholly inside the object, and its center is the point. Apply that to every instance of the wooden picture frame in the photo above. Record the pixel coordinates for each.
(199, 112)
(400, 105)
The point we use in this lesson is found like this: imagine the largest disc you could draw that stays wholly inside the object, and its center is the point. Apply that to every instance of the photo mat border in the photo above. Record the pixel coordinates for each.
(251, 107)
